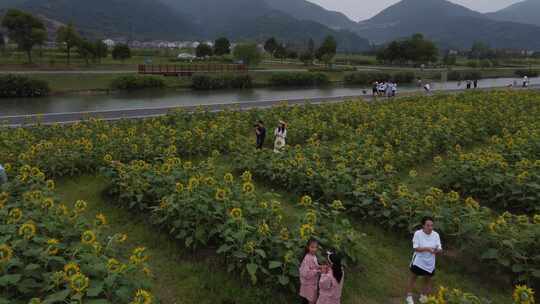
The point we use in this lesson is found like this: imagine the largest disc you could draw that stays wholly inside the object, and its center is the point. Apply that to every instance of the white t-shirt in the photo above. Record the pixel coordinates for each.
(425, 260)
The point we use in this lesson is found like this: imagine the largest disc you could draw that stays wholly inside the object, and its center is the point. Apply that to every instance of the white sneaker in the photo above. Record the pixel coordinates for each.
(409, 299)
(423, 298)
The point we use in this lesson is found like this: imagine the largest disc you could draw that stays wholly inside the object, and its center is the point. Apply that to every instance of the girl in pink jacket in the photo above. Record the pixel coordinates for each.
(331, 282)
(309, 273)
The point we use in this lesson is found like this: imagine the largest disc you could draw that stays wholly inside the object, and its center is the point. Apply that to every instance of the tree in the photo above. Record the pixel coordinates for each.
(271, 45)
(100, 50)
(280, 52)
(2, 43)
(121, 52)
(203, 50)
(327, 50)
(86, 50)
(25, 29)
(415, 49)
(248, 53)
(306, 58)
(222, 46)
(449, 60)
(67, 37)
(480, 50)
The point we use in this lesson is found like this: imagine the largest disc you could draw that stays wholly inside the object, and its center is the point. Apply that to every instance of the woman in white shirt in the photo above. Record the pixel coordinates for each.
(280, 134)
(427, 245)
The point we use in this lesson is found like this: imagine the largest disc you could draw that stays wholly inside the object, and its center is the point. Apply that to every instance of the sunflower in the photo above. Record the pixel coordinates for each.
(193, 183)
(306, 231)
(453, 196)
(275, 206)
(306, 201)
(3, 197)
(246, 176)
(220, 195)
(523, 295)
(79, 283)
(429, 200)
(187, 165)
(50, 184)
(284, 234)
(248, 188)
(337, 205)
(100, 220)
(413, 173)
(249, 247)
(71, 269)
(6, 253)
(229, 178)
(536, 219)
(61, 210)
(289, 256)
(107, 158)
(142, 297)
(263, 205)
(138, 256)
(80, 206)
(472, 203)
(236, 213)
(15, 215)
(264, 229)
(121, 237)
(311, 217)
(27, 230)
(210, 181)
(47, 203)
(35, 301)
(441, 295)
(88, 237)
(52, 248)
(114, 266)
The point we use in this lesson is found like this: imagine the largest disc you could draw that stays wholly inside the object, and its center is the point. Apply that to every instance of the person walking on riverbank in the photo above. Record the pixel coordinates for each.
(475, 84)
(280, 135)
(260, 132)
(525, 81)
(426, 245)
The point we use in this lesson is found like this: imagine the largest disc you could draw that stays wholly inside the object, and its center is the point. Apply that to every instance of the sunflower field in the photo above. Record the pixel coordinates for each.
(196, 175)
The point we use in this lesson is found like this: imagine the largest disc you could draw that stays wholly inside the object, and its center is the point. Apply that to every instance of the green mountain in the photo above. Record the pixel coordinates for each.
(305, 10)
(523, 12)
(448, 24)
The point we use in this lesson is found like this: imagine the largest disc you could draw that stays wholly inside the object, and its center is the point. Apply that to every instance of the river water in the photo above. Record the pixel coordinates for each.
(158, 99)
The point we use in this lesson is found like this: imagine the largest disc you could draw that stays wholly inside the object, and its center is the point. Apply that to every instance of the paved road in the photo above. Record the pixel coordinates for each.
(19, 120)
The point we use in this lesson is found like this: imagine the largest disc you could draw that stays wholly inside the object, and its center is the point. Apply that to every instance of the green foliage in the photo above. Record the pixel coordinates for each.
(100, 50)
(415, 49)
(271, 45)
(86, 50)
(25, 29)
(248, 53)
(307, 58)
(529, 73)
(135, 82)
(327, 50)
(203, 50)
(22, 86)
(54, 254)
(299, 79)
(67, 38)
(222, 46)
(225, 81)
(121, 52)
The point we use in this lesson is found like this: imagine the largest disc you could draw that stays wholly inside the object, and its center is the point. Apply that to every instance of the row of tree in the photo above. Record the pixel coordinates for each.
(415, 49)
(28, 31)
(325, 52)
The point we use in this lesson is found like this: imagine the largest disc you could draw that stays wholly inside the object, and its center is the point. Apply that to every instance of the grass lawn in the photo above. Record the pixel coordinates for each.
(200, 277)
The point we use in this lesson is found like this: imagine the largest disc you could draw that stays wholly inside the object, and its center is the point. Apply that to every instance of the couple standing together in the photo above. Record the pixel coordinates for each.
(323, 284)
(280, 134)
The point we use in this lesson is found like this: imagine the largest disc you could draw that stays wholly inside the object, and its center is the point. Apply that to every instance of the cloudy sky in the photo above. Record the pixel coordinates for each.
(363, 9)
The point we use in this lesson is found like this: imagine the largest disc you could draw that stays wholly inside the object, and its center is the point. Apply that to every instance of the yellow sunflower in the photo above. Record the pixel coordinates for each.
(221, 194)
(139, 256)
(142, 297)
(88, 237)
(306, 231)
(114, 266)
(79, 283)
(236, 213)
(100, 220)
(52, 246)
(306, 201)
(6, 253)
(71, 269)
(229, 178)
(523, 295)
(27, 230)
(248, 188)
(15, 215)
(80, 206)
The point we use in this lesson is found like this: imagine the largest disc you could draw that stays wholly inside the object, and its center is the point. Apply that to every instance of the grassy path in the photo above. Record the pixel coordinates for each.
(186, 277)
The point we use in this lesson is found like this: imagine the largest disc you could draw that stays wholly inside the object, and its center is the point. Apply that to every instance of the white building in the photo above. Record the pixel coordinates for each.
(109, 43)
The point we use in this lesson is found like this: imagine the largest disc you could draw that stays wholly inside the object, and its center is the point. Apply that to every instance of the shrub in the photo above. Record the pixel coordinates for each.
(299, 79)
(22, 86)
(464, 75)
(225, 81)
(367, 78)
(135, 82)
(528, 73)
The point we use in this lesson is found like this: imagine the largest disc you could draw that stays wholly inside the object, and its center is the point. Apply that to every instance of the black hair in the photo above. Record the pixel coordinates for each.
(425, 219)
(337, 268)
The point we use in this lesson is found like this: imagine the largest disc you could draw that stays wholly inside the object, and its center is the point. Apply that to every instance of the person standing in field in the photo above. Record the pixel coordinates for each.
(280, 135)
(309, 273)
(260, 132)
(468, 84)
(394, 89)
(3, 175)
(475, 83)
(525, 81)
(375, 88)
(331, 282)
(427, 245)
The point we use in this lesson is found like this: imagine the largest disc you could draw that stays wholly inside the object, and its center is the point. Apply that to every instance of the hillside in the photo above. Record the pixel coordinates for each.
(448, 24)
(527, 11)
(305, 10)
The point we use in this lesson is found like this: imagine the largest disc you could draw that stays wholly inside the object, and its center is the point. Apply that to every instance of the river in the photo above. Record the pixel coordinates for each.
(158, 99)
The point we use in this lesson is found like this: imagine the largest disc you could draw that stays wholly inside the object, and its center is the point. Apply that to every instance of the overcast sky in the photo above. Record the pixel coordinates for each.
(363, 9)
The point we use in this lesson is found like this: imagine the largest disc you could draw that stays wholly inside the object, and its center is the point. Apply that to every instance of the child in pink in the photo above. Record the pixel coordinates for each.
(309, 273)
(331, 282)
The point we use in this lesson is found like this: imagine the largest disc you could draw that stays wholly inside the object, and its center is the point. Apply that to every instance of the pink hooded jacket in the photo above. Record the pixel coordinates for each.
(330, 289)
(309, 277)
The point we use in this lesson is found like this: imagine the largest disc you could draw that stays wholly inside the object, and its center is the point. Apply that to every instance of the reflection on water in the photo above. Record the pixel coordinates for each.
(156, 99)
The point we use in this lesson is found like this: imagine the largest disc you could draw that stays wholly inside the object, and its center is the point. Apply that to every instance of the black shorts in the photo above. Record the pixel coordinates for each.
(421, 272)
